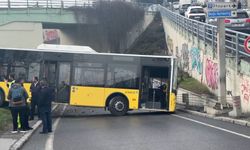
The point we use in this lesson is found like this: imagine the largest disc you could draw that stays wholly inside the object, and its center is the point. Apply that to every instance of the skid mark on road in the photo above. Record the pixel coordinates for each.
(50, 140)
(211, 126)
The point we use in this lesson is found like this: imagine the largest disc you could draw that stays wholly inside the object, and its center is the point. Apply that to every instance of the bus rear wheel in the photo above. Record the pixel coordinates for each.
(118, 106)
(1, 98)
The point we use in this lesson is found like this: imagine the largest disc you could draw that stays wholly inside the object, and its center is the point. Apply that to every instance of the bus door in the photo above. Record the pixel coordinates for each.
(154, 88)
(58, 77)
(63, 84)
(50, 73)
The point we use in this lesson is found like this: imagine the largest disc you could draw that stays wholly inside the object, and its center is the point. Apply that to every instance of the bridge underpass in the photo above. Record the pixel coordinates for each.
(195, 45)
(29, 27)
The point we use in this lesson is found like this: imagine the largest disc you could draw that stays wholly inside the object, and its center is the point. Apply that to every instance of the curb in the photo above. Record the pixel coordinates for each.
(20, 142)
(225, 119)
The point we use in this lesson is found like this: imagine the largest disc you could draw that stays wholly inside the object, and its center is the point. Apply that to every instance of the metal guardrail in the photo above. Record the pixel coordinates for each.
(46, 3)
(149, 8)
(200, 100)
(234, 41)
(57, 3)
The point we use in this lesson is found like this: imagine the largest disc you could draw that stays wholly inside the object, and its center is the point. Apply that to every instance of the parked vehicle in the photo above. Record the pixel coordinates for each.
(239, 23)
(196, 13)
(183, 8)
(176, 5)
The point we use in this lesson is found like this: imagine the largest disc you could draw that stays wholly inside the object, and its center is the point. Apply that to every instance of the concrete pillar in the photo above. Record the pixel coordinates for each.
(222, 62)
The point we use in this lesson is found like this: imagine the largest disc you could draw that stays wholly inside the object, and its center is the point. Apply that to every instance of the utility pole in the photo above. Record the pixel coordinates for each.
(221, 10)
(222, 62)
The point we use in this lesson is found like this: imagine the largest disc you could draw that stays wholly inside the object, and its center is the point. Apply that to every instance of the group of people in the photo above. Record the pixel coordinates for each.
(22, 111)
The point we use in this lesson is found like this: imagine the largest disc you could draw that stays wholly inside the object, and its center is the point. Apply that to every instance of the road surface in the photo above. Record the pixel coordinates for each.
(141, 131)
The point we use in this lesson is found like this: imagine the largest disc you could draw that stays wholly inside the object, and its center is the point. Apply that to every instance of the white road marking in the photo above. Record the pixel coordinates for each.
(50, 140)
(211, 126)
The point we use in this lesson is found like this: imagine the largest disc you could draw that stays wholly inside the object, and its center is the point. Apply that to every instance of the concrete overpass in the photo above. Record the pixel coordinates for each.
(28, 23)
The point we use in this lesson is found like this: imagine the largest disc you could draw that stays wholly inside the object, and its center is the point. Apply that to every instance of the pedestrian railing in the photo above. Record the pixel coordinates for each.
(206, 33)
(57, 3)
(199, 101)
(149, 8)
(45, 3)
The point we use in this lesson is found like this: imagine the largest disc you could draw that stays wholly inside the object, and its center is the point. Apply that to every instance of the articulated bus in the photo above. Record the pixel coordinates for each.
(80, 77)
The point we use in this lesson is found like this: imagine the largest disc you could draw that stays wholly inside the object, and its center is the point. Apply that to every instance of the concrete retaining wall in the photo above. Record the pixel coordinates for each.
(21, 35)
(200, 61)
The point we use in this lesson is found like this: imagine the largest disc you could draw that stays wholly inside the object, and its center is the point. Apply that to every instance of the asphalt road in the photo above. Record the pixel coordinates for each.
(141, 131)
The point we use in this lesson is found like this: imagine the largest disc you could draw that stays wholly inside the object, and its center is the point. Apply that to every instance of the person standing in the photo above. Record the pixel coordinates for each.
(17, 102)
(27, 110)
(239, 4)
(34, 89)
(44, 105)
(10, 81)
(9, 84)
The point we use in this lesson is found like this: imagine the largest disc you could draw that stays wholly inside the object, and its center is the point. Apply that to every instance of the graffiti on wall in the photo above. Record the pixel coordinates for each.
(245, 90)
(211, 71)
(196, 60)
(185, 57)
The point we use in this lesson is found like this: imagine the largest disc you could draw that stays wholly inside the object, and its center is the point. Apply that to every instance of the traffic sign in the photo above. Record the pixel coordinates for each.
(221, 6)
(247, 45)
(221, 14)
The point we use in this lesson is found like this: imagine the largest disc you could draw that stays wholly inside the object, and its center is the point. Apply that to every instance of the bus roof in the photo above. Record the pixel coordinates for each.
(70, 48)
(78, 50)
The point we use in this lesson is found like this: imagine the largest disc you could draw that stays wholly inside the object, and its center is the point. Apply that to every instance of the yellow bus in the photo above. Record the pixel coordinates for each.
(83, 77)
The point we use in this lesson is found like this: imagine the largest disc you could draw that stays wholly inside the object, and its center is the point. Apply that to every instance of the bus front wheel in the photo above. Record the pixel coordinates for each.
(118, 106)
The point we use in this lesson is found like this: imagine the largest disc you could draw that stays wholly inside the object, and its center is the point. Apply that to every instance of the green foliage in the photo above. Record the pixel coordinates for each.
(191, 84)
(5, 118)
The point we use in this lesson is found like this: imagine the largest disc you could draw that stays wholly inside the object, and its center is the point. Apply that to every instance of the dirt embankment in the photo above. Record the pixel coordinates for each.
(152, 41)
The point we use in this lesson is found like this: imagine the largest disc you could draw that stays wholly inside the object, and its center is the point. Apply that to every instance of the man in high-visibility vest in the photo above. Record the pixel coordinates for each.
(10, 81)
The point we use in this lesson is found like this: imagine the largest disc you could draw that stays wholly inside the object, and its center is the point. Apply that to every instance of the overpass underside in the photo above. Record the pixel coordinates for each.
(30, 27)
(52, 15)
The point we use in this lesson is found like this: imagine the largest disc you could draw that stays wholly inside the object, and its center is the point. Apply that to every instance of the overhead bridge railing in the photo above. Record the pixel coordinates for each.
(57, 3)
(206, 33)
(45, 3)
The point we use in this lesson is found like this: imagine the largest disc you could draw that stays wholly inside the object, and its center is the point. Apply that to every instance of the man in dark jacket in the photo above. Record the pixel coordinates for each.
(27, 109)
(44, 105)
(239, 5)
(17, 102)
(34, 89)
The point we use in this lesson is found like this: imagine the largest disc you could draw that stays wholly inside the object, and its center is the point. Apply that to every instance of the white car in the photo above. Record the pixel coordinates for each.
(153, 8)
(196, 13)
(176, 5)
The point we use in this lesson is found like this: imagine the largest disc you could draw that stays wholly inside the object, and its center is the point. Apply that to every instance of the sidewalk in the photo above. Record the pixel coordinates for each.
(7, 139)
(6, 143)
(10, 141)
(197, 103)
